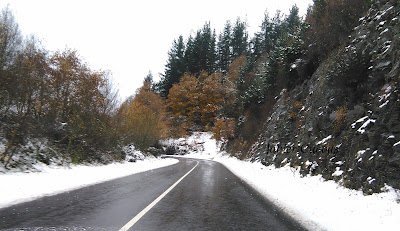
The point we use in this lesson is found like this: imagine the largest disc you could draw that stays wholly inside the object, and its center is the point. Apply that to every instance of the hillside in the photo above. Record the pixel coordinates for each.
(344, 122)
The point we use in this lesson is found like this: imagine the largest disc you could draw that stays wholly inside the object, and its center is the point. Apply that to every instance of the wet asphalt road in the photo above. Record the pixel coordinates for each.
(209, 198)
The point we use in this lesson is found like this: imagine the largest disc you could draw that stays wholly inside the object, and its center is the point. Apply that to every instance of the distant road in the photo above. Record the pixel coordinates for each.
(210, 197)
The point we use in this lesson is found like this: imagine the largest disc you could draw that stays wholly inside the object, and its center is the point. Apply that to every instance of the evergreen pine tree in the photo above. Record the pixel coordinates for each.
(192, 54)
(212, 54)
(224, 48)
(293, 20)
(204, 42)
(148, 78)
(265, 34)
(175, 67)
(239, 38)
(256, 45)
(200, 52)
(271, 34)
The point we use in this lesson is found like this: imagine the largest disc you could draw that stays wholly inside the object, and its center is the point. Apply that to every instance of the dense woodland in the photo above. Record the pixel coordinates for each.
(224, 82)
(227, 83)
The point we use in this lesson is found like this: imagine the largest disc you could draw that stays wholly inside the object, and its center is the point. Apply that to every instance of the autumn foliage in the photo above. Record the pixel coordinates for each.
(183, 102)
(224, 129)
(58, 97)
(54, 97)
(226, 84)
(143, 119)
(195, 103)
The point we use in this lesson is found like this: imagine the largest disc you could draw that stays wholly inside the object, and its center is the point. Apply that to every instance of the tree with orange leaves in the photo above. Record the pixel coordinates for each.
(183, 102)
(144, 118)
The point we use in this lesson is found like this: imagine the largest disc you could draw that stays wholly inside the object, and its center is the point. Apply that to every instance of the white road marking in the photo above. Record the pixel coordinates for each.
(151, 205)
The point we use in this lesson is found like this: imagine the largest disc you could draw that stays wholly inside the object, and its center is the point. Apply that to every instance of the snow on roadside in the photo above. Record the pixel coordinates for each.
(209, 146)
(21, 187)
(200, 145)
(315, 203)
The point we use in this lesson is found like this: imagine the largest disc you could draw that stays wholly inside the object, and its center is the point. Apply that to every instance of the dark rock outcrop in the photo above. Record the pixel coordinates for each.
(344, 122)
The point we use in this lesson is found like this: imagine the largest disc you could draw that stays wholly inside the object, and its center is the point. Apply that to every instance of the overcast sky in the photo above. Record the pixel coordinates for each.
(131, 38)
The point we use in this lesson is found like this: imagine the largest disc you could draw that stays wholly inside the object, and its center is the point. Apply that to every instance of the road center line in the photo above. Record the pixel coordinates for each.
(151, 205)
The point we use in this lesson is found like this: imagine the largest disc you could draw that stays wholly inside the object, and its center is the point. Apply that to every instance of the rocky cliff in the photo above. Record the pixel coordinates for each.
(344, 122)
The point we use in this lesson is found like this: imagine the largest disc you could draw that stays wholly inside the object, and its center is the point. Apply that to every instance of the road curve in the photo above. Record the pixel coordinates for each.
(208, 198)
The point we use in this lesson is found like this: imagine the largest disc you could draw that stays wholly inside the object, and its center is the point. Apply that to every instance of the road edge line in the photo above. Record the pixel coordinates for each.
(152, 204)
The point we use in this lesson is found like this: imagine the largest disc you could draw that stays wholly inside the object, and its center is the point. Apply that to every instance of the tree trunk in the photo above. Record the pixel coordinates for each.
(9, 146)
(9, 158)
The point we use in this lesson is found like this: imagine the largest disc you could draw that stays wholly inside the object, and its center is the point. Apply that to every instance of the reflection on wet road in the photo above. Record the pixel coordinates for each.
(209, 198)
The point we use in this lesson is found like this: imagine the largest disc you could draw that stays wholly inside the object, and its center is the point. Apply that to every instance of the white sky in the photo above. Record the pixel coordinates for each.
(131, 38)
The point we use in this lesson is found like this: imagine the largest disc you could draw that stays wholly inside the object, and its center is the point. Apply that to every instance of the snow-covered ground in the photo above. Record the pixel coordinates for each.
(317, 204)
(314, 202)
(22, 187)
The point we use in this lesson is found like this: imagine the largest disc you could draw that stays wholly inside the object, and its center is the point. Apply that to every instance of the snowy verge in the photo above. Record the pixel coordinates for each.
(316, 203)
(22, 187)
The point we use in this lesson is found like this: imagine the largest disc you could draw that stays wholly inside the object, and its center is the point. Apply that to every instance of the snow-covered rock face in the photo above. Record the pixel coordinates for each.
(351, 105)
